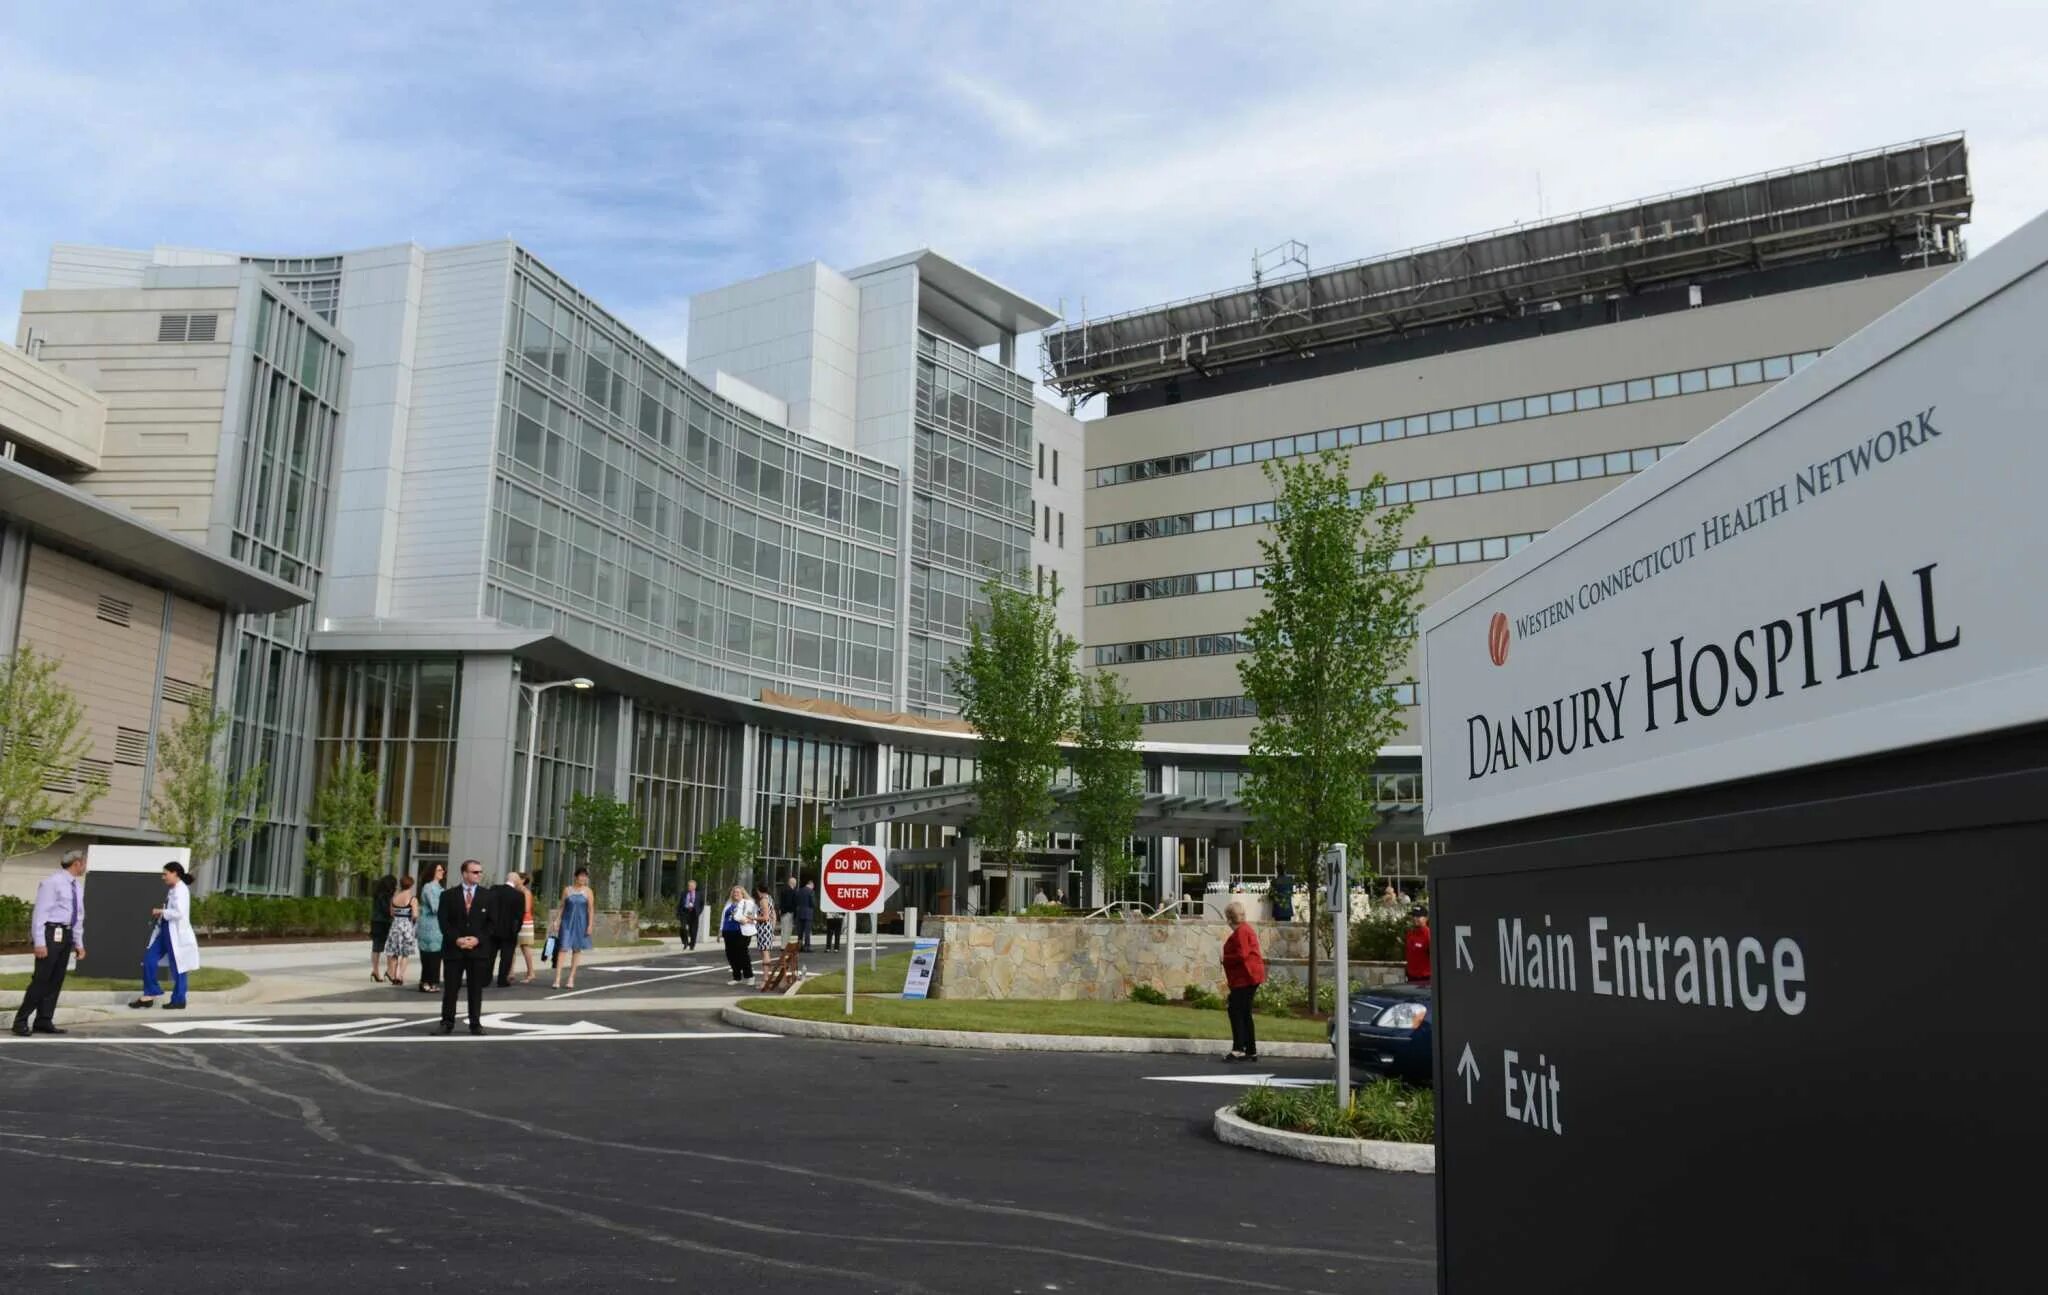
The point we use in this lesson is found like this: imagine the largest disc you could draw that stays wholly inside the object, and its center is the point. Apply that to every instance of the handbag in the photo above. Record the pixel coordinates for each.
(547, 952)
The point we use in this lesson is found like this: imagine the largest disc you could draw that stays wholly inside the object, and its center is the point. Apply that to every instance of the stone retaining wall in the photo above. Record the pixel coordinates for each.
(1100, 961)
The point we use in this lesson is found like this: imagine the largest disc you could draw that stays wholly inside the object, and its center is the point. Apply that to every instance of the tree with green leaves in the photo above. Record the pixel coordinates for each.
(1015, 680)
(45, 788)
(1332, 635)
(1109, 778)
(350, 837)
(604, 832)
(727, 852)
(811, 850)
(200, 803)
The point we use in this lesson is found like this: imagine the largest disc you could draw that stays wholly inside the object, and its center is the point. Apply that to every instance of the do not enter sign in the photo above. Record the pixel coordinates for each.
(853, 879)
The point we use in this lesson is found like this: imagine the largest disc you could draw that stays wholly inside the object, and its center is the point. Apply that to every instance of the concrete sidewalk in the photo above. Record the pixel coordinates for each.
(298, 978)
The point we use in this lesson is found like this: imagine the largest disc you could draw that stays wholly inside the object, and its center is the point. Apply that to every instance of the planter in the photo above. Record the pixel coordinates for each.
(1356, 1153)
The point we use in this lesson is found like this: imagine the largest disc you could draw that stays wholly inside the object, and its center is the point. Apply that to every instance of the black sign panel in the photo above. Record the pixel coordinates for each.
(1793, 1050)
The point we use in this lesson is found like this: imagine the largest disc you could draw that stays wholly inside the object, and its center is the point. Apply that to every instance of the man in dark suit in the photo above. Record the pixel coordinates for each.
(467, 917)
(689, 913)
(508, 914)
(805, 906)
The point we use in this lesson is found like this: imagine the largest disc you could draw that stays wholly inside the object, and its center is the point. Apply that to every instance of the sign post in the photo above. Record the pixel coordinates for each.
(853, 881)
(1340, 927)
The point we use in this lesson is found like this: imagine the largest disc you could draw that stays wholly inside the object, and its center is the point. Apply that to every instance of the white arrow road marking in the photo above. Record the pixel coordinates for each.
(504, 1021)
(672, 967)
(628, 984)
(1464, 933)
(429, 1039)
(1469, 1068)
(256, 1025)
(1243, 1081)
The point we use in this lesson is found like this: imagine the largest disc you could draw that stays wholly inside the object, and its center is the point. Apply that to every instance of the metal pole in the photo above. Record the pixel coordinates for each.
(852, 942)
(874, 937)
(1340, 925)
(532, 695)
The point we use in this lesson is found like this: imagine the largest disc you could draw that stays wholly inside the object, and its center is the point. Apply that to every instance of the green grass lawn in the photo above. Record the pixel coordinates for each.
(204, 980)
(886, 978)
(1038, 1016)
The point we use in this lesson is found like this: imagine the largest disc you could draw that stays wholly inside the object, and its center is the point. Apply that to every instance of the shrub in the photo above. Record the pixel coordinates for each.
(1045, 910)
(1385, 1110)
(1378, 937)
(1200, 996)
(1148, 994)
(14, 915)
(228, 915)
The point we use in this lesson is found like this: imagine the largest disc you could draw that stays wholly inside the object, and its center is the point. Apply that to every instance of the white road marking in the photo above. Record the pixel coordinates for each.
(502, 1037)
(504, 1021)
(628, 984)
(1242, 1081)
(256, 1025)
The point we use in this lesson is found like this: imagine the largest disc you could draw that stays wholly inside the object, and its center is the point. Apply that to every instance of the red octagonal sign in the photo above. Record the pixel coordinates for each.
(853, 880)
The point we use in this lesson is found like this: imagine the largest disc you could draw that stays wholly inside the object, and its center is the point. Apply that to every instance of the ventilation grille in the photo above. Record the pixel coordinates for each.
(131, 746)
(115, 611)
(86, 773)
(187, 694)
(187, 328)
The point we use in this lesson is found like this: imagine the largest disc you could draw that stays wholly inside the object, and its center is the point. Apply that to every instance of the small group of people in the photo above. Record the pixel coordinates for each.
(406, 918)
(486, 926)
(57, 936)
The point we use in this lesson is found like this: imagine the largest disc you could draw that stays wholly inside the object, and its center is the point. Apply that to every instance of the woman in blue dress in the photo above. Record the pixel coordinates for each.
(571, 926)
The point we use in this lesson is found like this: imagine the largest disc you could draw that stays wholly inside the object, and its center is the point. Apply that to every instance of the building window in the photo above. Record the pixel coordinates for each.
(1063, 530)
(1041, 461)
(1055, 467)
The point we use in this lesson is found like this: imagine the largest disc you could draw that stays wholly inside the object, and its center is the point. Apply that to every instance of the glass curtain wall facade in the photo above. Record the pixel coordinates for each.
(290, 414)
(798, 779)
(398, 717)
(652, 522)
(971, 510)
(570, 723)
(680, 768)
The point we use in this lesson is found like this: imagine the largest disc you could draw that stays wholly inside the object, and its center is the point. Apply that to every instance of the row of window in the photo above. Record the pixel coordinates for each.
(1187, 645)
(1185, 709)
(1583, 467)
(1627, 391)
(1487, 549)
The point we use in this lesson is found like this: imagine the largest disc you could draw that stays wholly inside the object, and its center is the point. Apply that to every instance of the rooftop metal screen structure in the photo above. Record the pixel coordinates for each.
(1915, 194)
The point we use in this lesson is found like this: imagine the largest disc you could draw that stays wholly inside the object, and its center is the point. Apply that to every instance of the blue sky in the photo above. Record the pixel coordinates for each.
(1125, 153)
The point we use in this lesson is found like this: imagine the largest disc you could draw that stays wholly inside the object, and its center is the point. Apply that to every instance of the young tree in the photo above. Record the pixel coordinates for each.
(1016, 686)
(199, 804)
(812, 848)
(1335, 628)
(351, 838)
(1109, 778)
(727, 852)
(606, 833)
(44, 791)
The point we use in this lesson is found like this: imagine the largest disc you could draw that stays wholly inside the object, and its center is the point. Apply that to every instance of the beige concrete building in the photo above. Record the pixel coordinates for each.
(1498, 383)
(131, 613)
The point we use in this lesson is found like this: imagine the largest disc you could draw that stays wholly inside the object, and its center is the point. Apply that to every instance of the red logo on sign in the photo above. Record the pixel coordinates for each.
(853, 879)
(1497, 639)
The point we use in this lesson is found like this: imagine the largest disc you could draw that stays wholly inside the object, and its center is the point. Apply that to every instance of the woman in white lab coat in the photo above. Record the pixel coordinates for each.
(173, 940)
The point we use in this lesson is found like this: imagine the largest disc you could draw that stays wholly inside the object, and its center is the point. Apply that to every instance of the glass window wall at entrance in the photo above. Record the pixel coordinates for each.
(398, 717)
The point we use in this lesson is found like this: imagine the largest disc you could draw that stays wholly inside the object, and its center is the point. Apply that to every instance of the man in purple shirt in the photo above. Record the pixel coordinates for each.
(57, 929)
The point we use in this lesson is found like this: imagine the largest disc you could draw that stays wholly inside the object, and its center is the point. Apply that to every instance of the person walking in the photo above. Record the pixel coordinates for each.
(690, 913)
(1244, 969)
(572, 925)
(512, 925)
(466, 946)
(806, 913)
(173, 940)
(403, 940)
(1415, 945)
(430, 926)
(56, 931)
(380, 923)
(736, 924)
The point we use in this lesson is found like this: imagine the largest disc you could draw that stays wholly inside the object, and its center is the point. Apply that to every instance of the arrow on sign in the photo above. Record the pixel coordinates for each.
(1464, 933)
(1470, 1070)
(253, 1025)
(504, 1021)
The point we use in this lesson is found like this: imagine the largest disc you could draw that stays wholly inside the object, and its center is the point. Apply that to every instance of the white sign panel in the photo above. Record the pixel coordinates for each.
(135, 858)
(1847, 565)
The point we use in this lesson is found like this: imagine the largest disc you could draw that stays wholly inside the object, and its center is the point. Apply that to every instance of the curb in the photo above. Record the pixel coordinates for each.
(1355, 1153)
(799, 1028)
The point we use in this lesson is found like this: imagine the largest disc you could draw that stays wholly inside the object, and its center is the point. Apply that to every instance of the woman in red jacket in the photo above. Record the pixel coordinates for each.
(1244, 967)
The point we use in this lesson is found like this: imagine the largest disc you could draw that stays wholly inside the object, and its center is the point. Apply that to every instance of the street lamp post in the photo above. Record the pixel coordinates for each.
(532, 692)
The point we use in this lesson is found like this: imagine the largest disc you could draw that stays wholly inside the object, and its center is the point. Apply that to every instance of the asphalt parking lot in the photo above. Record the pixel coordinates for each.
(657, 1148)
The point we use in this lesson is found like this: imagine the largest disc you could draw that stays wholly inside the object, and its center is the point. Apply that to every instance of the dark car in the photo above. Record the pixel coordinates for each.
(1390, 1032)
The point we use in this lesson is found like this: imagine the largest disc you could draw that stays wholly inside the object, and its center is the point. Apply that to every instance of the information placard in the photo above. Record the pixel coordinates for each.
(924, 960)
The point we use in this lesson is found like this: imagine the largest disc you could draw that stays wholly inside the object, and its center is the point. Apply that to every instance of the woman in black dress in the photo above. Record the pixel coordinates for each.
(380, 924)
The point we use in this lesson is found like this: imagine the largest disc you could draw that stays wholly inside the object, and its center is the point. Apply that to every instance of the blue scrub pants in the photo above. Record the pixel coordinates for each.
(160, 947)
